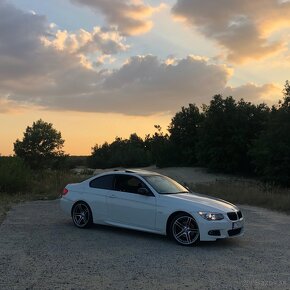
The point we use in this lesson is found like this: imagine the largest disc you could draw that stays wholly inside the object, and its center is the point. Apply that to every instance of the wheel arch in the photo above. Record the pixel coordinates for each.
(172, 216)
(81, 201)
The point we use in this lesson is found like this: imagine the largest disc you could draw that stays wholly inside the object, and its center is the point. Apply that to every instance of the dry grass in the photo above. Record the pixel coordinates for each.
(45, 185)
(247, 192)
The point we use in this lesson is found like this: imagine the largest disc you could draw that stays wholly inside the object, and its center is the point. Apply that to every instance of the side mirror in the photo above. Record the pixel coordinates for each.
(143, 191)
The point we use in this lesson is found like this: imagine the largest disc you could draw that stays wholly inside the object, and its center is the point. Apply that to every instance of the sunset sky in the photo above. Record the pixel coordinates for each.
(98, 69)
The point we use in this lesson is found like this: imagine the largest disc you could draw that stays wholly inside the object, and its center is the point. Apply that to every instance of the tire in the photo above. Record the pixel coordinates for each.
(82, 215)
(184, 230)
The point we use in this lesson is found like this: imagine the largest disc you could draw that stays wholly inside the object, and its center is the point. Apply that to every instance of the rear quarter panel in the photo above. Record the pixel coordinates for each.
(95, 198)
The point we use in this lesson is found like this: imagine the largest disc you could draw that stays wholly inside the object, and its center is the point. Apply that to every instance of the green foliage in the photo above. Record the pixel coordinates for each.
(130, 152)
(183, 131)
(48, 184)
(75, 161)
(271, 151)
(164, 151)
(227, 132)
(41, 146)
(15, 176)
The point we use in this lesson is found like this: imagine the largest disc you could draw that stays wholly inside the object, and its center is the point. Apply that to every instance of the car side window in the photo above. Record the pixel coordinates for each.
(103, 182)
(129, 183)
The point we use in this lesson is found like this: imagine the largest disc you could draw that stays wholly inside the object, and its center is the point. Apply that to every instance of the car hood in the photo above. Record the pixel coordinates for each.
(202, 202)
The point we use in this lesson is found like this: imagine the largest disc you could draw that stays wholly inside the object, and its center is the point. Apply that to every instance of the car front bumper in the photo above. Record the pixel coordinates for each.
(213, 230)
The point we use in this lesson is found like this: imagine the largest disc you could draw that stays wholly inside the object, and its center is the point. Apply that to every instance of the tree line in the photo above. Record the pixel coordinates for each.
(226, 136)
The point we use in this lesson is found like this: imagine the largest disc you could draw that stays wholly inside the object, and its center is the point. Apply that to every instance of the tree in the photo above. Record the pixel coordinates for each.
(228, 131)
(130, 152)
(271, 151)
(184, 133)
(41, 146)
(164, 151)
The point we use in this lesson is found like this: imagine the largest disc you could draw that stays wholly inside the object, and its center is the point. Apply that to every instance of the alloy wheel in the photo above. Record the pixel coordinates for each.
(81, 215)
(185, 230)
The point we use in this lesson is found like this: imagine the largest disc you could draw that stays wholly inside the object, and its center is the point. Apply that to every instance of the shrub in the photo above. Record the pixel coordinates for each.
(15, 176)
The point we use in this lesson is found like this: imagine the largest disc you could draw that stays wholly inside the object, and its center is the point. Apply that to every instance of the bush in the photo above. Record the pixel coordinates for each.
(15, 176)
(75, 162)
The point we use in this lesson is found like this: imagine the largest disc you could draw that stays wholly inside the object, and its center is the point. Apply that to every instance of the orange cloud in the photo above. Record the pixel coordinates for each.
(242, 28)
(51, 73)
(268, 93)
(131, 17)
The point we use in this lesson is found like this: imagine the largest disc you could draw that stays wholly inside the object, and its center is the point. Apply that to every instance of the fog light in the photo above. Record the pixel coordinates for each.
(214, 233)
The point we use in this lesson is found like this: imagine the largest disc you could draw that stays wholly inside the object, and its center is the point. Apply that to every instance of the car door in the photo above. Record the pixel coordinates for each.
(127, 207)
(96, 195)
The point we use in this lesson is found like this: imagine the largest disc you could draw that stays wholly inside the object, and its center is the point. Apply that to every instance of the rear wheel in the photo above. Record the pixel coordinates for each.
(82, 215)
(184, 230)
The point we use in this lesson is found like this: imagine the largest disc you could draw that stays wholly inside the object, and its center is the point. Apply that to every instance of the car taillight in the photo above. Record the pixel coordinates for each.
(64, 192)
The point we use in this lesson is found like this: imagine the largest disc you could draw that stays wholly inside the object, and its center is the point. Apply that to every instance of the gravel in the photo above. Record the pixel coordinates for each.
(41, 249)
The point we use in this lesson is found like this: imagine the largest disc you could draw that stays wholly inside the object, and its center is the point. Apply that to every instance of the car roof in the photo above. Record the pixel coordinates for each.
(139, 172)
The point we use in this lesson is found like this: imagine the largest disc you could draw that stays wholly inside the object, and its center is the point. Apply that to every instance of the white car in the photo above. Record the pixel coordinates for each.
(150, 202)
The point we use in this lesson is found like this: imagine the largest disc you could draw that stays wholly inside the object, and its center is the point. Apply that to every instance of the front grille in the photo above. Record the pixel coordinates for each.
(234, 232)
(233, 216)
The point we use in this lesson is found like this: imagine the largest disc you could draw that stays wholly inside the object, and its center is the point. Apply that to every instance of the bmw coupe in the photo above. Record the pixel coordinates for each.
(151, 202)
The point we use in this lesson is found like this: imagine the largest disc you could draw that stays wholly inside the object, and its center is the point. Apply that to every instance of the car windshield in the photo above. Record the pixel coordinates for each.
(165, 185)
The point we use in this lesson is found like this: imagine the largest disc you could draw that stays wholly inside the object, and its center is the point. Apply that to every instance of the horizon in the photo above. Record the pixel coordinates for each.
(121, 67)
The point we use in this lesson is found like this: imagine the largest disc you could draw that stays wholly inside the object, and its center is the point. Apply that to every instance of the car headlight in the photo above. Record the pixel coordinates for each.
(211, 216)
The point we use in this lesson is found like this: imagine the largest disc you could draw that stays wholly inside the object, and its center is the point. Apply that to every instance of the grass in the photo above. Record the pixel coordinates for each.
(44, 185)
(247, 192)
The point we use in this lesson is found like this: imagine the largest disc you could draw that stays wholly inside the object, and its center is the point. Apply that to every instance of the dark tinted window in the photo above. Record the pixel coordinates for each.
(128, 183)
(103, 182)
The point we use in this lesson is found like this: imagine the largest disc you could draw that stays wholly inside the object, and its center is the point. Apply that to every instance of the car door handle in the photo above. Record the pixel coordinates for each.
(112, 196)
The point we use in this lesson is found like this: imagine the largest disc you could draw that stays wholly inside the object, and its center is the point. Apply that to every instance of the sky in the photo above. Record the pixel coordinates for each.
(97, 69)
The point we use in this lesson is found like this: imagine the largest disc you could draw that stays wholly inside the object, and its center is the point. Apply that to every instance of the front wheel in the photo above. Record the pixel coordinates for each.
(184, 230)
(82, 215)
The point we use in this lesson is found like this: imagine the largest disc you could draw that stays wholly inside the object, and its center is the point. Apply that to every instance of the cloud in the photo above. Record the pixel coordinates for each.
(41, 69)
(243, 28)
(36, 62)
(100, 43)
(7, 106)
(267, 93)
(131, 17)
(142, 86)
(83, 42)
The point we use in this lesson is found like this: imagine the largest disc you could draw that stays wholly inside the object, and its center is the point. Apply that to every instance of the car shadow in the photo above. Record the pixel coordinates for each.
(129, 232)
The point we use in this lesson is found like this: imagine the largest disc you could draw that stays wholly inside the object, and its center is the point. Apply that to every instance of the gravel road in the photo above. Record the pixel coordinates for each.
(41, 249)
